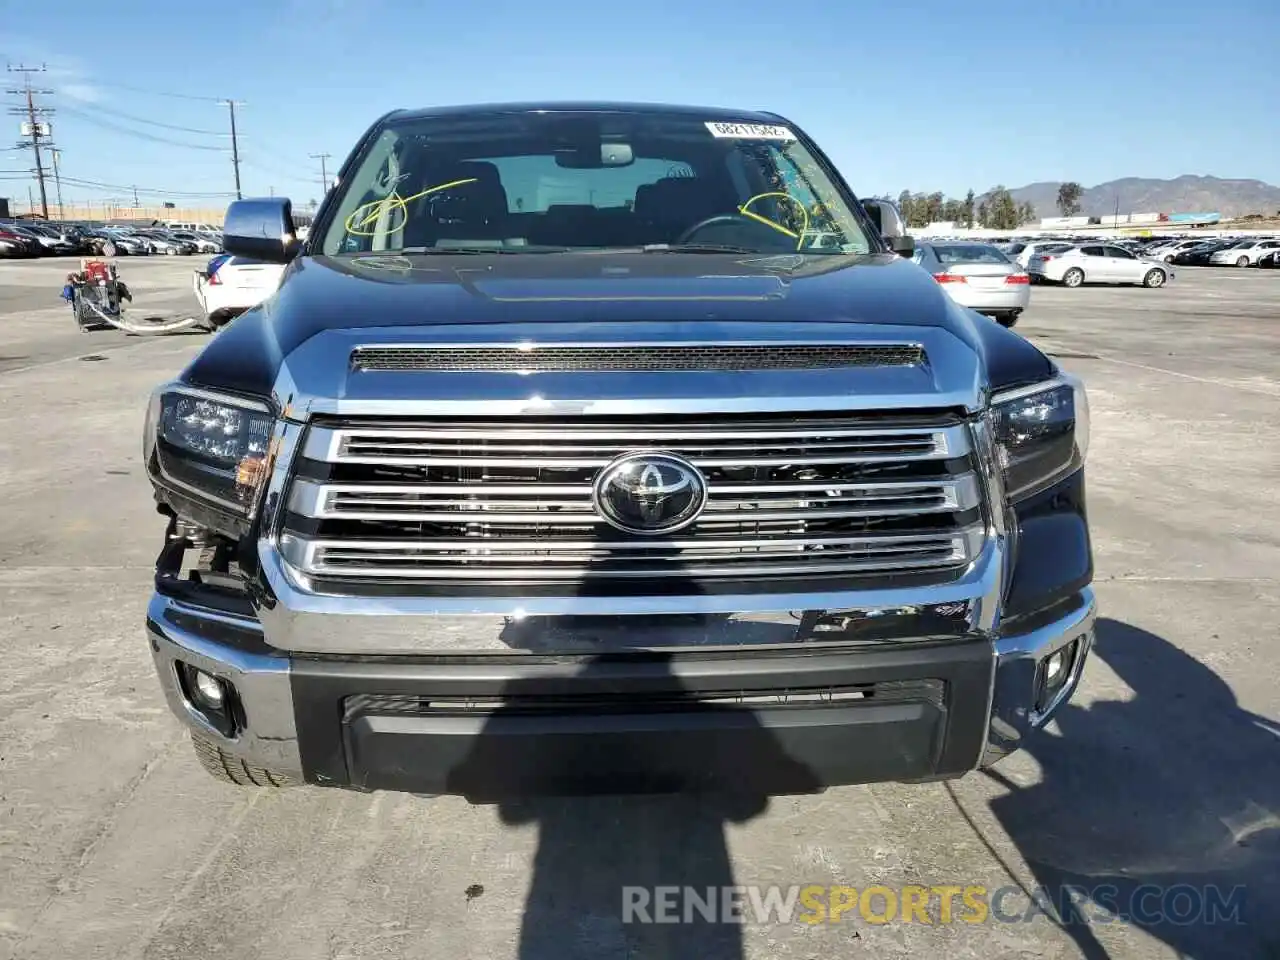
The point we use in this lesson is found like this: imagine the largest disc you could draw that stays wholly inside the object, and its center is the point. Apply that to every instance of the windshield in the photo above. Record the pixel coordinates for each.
(969, 253)
(563, 180)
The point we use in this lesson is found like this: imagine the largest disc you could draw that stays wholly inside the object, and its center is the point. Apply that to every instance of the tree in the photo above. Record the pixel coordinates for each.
(968, 209)
(983, 213)
(1002, 211)
(1026, 214)
(1069, 198)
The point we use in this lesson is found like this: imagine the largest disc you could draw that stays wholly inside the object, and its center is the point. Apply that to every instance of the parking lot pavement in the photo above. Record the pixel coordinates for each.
(36, 325)
(1165, 770)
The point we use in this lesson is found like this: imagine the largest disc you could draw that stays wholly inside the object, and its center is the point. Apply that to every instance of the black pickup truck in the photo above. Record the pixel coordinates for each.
(610, 448)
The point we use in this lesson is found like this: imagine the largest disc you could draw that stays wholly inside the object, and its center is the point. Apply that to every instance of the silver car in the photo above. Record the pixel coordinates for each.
(978, 276)
(1099, 263)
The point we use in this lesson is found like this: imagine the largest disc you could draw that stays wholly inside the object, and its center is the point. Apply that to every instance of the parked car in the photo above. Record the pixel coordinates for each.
(204, 243)
(118, 243)
(19, 243)
(1021, 253)
(50, 243)
(1168, 251)
(1099, 263)
(1245, 253)
(479, 501)
(228, 286)
(978, 276)
(167, 244)
(1198, 256)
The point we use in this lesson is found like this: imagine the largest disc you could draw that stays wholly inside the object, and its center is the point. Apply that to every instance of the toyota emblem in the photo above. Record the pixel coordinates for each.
(650, 493)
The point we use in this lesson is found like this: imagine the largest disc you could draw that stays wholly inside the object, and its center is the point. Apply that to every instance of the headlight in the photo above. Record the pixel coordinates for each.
(1041, 433)
(213, 445)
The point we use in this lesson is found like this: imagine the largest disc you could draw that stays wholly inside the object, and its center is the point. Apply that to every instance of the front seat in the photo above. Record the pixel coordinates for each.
(469, 211)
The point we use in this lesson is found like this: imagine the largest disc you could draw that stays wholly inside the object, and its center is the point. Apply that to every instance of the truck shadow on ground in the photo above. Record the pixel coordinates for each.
(664, 829)
(1144, 805)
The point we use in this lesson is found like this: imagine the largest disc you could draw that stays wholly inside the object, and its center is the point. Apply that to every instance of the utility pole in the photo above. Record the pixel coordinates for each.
(235, 144)
(135, 197)
(35, 122)
(324, 170)
(57, 180)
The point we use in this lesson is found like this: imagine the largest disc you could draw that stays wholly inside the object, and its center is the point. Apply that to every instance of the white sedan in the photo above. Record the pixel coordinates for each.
(1245, 253)
(229, 286)
(1099, 263)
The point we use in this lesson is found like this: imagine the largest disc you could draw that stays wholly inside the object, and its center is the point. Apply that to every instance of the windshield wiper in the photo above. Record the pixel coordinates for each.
(697, 248)
(465, 250)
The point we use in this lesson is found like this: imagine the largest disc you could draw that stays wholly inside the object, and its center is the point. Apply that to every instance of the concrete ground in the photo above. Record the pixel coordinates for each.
(1165, 770)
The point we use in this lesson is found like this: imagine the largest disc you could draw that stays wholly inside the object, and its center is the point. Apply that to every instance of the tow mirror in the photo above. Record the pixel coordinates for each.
(888, 220)
(261, 229)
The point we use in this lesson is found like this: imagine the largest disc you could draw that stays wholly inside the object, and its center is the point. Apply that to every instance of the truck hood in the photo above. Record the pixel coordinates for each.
(297, 344)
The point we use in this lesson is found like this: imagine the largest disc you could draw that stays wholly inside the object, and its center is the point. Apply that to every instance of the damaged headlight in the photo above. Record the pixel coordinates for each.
(1041, 433)
(210, 445)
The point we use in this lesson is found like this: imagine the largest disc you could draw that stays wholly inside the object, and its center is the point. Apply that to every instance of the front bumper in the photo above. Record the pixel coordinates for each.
(777, 721)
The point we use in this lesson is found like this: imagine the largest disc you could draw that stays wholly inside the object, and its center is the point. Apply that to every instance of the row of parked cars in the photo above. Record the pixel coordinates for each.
(35, 238)
(1253, 251)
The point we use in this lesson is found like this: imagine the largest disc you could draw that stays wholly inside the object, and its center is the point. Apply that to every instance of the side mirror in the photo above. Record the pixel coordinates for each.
(261, 229)
(888, 219)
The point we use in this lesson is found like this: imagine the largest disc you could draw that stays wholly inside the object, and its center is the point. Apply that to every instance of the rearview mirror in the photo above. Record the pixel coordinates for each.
(261, 229)
(888, 220)
(595, 156)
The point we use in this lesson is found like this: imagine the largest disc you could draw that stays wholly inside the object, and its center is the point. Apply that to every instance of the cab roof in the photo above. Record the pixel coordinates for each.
(588, 106)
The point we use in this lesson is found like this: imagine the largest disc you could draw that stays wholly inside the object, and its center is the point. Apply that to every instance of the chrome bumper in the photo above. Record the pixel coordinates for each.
(214, 642)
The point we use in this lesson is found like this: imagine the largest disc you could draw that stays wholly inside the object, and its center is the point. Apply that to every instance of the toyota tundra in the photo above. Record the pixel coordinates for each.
(610, 448)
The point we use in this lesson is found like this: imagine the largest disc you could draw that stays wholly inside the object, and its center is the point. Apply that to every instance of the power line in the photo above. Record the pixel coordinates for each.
(157, 93)
(35, 122)
(137, 134)
(80, 182)
(99, 108)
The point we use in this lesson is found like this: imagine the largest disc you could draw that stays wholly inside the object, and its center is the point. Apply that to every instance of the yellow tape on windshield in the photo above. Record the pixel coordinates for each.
(797, 237)
(368, 213)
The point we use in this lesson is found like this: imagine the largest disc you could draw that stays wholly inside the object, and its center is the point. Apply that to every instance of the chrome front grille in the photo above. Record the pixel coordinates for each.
(533, 358)
(508, 503)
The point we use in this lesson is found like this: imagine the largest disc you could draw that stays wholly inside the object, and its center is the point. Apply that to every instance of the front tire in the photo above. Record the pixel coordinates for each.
(1154, 278)
(231, 769)
(1008, 319)
(1242, 262)
(1073, 277)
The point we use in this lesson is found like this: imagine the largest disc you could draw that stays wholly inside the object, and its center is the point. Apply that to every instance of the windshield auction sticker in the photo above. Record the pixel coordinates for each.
(750, 131)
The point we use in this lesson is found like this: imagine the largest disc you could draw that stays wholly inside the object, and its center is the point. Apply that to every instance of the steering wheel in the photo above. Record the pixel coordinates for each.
(735, 224)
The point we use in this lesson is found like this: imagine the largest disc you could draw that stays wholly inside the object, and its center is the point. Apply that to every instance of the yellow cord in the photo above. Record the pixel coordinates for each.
(372, 212)
(797, 237)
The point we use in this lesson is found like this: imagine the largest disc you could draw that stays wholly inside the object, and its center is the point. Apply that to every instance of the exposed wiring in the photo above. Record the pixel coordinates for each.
(384, 209)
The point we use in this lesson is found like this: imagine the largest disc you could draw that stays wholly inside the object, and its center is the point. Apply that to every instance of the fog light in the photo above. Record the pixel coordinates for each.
(1053, 674)
(211, 698)
(209, 689)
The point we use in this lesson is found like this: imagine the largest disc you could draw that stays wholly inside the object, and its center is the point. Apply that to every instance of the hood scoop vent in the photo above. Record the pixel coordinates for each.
(647, 357)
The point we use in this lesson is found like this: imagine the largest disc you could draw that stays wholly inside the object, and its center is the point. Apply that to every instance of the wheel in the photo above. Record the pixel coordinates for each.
(1242, 262)
(109, 249)
(231, 769)
(1008, 319)
(1154, 278)
(1073, 277)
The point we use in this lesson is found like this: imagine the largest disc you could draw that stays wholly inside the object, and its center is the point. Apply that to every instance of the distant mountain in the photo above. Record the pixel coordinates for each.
(1185, 194)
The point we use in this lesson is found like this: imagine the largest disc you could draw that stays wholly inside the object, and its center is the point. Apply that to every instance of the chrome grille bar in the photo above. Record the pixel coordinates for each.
(499, 501)
(533, 504)
(561, 560)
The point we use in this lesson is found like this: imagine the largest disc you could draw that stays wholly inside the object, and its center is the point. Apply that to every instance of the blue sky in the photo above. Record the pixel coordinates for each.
(923, 95)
